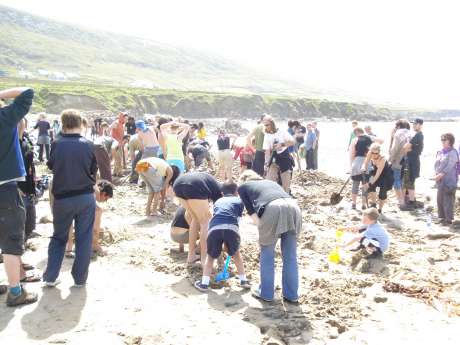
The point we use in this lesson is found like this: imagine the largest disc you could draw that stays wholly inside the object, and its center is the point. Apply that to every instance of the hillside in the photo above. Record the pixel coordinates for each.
(35, 47)
(53, 97)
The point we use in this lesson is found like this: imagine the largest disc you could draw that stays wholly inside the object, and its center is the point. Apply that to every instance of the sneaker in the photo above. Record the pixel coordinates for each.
(373, 205)
(245, 284)
(446, 222)
(24, 298)
(291, 301)
(256, 294)
(353, 206)
(363, 207)
(78, 286)
(52, 284)
(405, 208)
(201, 287)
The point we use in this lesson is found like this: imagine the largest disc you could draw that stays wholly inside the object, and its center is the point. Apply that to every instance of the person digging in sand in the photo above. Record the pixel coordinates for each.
(180, 227)
(373, 242)
(194, 191)
(224, 230)
(277, 216)
(158, 175)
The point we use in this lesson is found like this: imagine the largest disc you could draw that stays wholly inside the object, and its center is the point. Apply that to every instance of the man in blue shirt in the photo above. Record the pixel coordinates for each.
(310, 142)
(12, 212)
(74, 167)
(224, 229)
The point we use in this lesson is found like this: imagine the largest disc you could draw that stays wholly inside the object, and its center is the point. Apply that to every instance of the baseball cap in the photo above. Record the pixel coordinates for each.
(418, 121)
(141, 125)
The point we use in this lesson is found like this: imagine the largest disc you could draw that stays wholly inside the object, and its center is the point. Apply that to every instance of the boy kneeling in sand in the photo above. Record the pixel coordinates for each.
(224, 230)
(373, 240)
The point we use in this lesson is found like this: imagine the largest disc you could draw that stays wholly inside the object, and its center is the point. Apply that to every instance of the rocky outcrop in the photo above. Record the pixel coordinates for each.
(209, 105)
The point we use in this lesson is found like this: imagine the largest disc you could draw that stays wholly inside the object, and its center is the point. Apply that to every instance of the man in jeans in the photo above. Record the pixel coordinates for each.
(400, 137)
(74, 168)
(310, 143)
(12, 212)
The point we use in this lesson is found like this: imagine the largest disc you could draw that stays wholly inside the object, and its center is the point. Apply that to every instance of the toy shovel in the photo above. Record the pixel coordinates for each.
(224, 275)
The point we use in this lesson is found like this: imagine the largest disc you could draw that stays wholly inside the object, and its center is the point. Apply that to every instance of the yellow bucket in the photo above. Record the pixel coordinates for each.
(339, 234)
(334, 256)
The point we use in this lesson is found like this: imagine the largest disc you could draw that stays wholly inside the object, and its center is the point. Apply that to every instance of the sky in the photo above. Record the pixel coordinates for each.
(400, 52)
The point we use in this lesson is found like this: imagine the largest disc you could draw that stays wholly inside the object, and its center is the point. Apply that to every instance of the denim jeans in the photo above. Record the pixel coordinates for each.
(290, 274)
(80, 209)
(397, 178)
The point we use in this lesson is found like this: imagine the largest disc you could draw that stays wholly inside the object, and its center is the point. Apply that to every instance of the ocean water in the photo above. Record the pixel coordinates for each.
(333, 144)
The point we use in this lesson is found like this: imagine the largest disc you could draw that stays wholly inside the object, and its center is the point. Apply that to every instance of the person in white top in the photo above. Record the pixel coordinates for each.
(280, 162)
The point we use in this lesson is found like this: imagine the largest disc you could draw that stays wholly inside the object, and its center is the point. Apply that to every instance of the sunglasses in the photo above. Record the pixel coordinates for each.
(375, 153)
(443, 139)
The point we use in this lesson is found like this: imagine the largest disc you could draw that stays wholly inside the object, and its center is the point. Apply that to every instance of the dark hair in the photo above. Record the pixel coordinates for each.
(358, 130)
(402, 123)
(450, 138)
(200, 125)
(105, 187)
(291, 123)
(229, 188)
(194, 126)
(162, 120)
(176, 173)
(126, 137)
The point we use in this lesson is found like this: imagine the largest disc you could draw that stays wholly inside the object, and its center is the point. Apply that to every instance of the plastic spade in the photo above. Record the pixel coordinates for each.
(224, 275)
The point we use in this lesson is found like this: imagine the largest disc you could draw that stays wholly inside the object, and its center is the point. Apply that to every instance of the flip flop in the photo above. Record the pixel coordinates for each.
(34, 278)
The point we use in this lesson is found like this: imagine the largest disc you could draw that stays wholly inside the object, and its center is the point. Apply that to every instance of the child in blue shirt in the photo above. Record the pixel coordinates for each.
(224, 230)
(372, 236)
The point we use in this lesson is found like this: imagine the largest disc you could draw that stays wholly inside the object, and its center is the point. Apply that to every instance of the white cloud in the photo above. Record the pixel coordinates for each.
(398, 51)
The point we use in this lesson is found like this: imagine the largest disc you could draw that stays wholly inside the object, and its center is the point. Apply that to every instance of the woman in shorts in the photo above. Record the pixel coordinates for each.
(194, 191)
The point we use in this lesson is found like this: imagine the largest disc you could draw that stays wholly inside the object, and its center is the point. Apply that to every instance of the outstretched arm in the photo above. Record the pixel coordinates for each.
(13, 113)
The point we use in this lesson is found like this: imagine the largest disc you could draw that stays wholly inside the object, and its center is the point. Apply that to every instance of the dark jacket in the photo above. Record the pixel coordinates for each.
(74, 166)
(256, 195)
(11, 162)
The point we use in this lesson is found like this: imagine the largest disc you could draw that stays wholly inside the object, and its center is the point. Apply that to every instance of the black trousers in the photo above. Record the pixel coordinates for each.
(259, 162)
(310, 158)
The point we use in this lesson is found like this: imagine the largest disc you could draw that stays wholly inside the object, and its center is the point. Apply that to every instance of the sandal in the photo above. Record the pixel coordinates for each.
(33, 278)
(69, 254)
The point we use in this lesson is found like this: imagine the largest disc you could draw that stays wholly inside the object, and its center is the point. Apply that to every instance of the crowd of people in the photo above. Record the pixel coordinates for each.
(166, 156)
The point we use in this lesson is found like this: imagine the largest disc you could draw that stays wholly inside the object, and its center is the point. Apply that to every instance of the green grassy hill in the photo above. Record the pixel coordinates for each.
(30, 43)
(53, 97)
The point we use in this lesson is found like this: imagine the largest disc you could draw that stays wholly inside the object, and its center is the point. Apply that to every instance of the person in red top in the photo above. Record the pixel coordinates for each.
(117, 132)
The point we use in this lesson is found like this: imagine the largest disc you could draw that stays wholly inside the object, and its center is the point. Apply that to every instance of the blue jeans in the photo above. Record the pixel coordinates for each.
(290, 275)
(82, 209)
(397, 178)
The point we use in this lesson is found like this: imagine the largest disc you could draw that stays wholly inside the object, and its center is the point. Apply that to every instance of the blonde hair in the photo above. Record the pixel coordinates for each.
(71, 119)
(372, 213)
(249, 175)
(375, 147)
(42, 116)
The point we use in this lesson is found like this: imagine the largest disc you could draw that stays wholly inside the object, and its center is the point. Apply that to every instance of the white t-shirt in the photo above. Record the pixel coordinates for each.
(280, 137)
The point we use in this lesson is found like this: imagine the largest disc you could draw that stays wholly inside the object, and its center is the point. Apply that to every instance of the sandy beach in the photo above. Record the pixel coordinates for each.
(142, 293)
